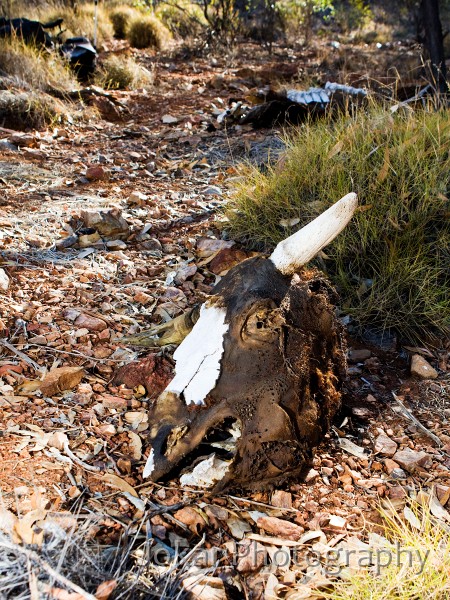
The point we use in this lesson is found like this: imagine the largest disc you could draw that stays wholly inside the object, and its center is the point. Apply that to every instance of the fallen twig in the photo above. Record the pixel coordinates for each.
(22, 356)
(34, 556)
(406, 413)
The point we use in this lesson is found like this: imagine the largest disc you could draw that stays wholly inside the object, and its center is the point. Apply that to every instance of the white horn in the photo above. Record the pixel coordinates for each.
(298, 249)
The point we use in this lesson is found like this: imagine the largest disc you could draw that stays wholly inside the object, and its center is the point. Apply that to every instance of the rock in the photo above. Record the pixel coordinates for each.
(281, 499)
(398, 474)
(142, 298)
(337, 522)
(116, 245)
(152, 245)
(422, 368)
(70, 314)
(359, 355)
(311, 475)
(85, 241)
(442, 493)
(153, 372)
(184, 272)
(225, 259)
(97, 173)
(281, 528)
(116, 402)
(7, 145)
(212, 190)
(169, 120)
(108, 223)
(390, 465)
(4, 280)
(66, 242)
(411, 460)
(384, 445)
(207, 247)
(137, 198)
(60, 379)
(252, 556)
(90, 323)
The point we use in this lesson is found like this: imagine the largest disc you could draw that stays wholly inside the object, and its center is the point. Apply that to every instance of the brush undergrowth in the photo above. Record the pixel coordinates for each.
(418, 572)
(29, 74)
(391, 264)
(119, 73)
(79, 21)
(37, 68)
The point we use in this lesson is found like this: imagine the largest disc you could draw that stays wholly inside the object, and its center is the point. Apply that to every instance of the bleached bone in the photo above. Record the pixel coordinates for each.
(298, 249)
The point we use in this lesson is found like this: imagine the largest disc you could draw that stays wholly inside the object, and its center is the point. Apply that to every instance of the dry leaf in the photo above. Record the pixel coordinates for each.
(411, 518)
(118, 482)
(105, 589)
(135, 445)
(281, 528)
(204, 587)
(60, 379)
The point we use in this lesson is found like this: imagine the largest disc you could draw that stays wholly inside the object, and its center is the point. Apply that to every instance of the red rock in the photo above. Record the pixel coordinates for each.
(153, 372)
(90, 323)
(412, 460)
(390, 465)
(104, 335)
(142, 298)
(114, 402)
(384, 445)
(225, 259)
(281, 528)
(97, 173)
(60, 379)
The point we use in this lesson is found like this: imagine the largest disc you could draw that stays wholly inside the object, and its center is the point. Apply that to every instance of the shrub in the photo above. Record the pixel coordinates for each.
(120, 18)
(391, 264)
(121, 73)
(183, 19)
(147, 31)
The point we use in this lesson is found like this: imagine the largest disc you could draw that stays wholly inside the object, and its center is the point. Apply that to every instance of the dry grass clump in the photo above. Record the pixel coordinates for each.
(391, 264)
(120, 17)
(120, 73)
(29, 110)
(79, 21)
(417, 547)
(147, 31)
(37, 68)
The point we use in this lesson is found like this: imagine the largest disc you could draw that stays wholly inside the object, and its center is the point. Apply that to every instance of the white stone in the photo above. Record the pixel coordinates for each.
(4, 280)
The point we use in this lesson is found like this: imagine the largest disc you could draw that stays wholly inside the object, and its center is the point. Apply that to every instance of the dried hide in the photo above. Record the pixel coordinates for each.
(258, 379)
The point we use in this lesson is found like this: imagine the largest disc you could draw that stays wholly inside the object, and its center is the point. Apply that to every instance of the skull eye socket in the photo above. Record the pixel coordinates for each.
(262, 324)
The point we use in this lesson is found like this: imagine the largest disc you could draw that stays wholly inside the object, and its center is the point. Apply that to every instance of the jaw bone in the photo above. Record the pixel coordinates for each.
(298, 249)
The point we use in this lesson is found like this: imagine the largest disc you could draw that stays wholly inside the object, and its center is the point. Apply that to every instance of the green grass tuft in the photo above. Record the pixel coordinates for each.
(391, 264)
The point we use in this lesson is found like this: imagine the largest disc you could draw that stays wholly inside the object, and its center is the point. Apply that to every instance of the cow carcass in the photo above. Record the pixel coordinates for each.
(258, 379)
(293, 106)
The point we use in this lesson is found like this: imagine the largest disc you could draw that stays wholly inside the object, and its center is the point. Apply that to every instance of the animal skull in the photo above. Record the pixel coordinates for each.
(257, 380)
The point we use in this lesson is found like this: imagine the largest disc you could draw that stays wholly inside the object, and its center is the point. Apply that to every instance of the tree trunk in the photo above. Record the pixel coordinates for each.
(434, 43)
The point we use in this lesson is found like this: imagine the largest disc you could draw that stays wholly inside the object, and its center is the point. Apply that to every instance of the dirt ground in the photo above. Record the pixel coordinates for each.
(168, 172)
